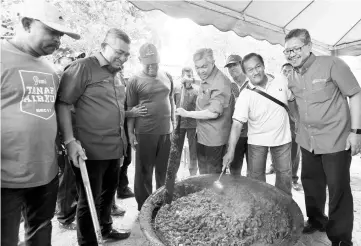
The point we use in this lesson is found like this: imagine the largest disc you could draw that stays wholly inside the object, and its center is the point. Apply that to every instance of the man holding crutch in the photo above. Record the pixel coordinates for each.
(91, 85)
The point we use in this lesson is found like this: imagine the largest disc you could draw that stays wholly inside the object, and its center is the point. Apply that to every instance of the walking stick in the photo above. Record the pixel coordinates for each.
(89, 195)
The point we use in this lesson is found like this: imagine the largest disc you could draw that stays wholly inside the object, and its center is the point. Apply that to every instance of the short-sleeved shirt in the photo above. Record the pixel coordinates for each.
(189, 104)
(215, 95)
(268, 122)
(98, 97)
(28, 119)
(236, 90)
(321, 88)
(155, 93)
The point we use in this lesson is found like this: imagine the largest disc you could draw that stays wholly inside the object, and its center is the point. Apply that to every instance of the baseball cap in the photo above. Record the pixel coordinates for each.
(49, 15)
(233, 59)
(148, 54)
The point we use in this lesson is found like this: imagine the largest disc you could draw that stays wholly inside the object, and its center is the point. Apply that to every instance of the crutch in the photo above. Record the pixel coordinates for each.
(89, 195)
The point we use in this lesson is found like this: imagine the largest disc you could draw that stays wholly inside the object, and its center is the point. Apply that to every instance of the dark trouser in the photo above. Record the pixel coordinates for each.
(37, 205)
(152, 153)
(67, 195)
(239, 153)
(192, 142)
(210, 158)
(123, 173)
(333, 170)
(295, 160)
(281, 155)
(103, 177)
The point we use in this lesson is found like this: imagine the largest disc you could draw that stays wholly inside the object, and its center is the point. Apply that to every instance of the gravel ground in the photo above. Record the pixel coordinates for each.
(63, 237)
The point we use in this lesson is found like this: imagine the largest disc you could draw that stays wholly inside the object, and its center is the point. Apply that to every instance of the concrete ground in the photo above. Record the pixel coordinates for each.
(61, 237)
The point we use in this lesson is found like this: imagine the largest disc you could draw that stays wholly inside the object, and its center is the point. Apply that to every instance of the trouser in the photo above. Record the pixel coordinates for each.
(103, 177)
(37, 205)
(332, 170)
(123, 173)
(210, 158)
(192, 144)
(152, 153)
(281, 155)
(67, 195)
(240, 152)
(295, 160)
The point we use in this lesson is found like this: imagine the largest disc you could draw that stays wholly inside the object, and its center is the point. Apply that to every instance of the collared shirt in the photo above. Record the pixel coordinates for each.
(155, 93)
(268, 122)
(189, 103)
(215, 95)
(98, 97)
(321, 88)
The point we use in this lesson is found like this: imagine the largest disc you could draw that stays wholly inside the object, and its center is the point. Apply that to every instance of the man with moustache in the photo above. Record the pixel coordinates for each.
(213, 112)
(329, 134)
(233, 64)
(91, 85)
(150, 134)
(268, 124)
(29, 181)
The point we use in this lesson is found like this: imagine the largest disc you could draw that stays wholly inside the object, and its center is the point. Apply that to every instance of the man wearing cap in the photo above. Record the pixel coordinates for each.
(91, 85)
(233, 64)
(150, 135)
(29, 84)
(187, 92)
(329, 101)
(213, 112)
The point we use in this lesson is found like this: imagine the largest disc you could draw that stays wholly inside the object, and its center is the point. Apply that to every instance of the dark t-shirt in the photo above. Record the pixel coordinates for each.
(155, 94)
(28, 119)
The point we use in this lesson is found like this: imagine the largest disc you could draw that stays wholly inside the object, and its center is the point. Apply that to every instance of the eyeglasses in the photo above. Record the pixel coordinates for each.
(119, 52)
(294, 50)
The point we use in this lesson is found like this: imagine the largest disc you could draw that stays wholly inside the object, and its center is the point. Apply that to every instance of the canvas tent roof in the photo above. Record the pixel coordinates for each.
(335, 26)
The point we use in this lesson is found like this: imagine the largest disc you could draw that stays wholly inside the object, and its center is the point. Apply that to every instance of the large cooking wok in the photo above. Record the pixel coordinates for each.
(194, 184)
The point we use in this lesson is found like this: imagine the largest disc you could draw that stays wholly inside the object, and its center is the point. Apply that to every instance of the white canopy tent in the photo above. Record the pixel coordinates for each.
(334, 25)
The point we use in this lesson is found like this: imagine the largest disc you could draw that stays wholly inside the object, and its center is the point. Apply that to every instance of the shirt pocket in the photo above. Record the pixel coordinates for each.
(322, 90)
(203, 98)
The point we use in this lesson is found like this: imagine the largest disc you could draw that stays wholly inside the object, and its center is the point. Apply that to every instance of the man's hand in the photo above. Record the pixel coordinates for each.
(354, 142)
(138, 111)
(181, 112)
(75, 151)
(133, 140)
(227, 159)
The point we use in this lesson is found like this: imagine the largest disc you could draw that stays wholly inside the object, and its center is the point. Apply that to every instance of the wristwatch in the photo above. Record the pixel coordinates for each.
(357, 131)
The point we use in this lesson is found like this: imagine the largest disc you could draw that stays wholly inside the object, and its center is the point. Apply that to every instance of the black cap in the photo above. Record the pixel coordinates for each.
(233, 59)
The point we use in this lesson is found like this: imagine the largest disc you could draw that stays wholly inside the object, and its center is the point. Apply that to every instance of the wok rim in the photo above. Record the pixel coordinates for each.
(152, 205)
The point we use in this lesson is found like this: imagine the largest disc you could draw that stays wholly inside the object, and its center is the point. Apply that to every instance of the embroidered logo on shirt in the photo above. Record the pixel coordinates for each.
(315, 81)
(39, 94)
